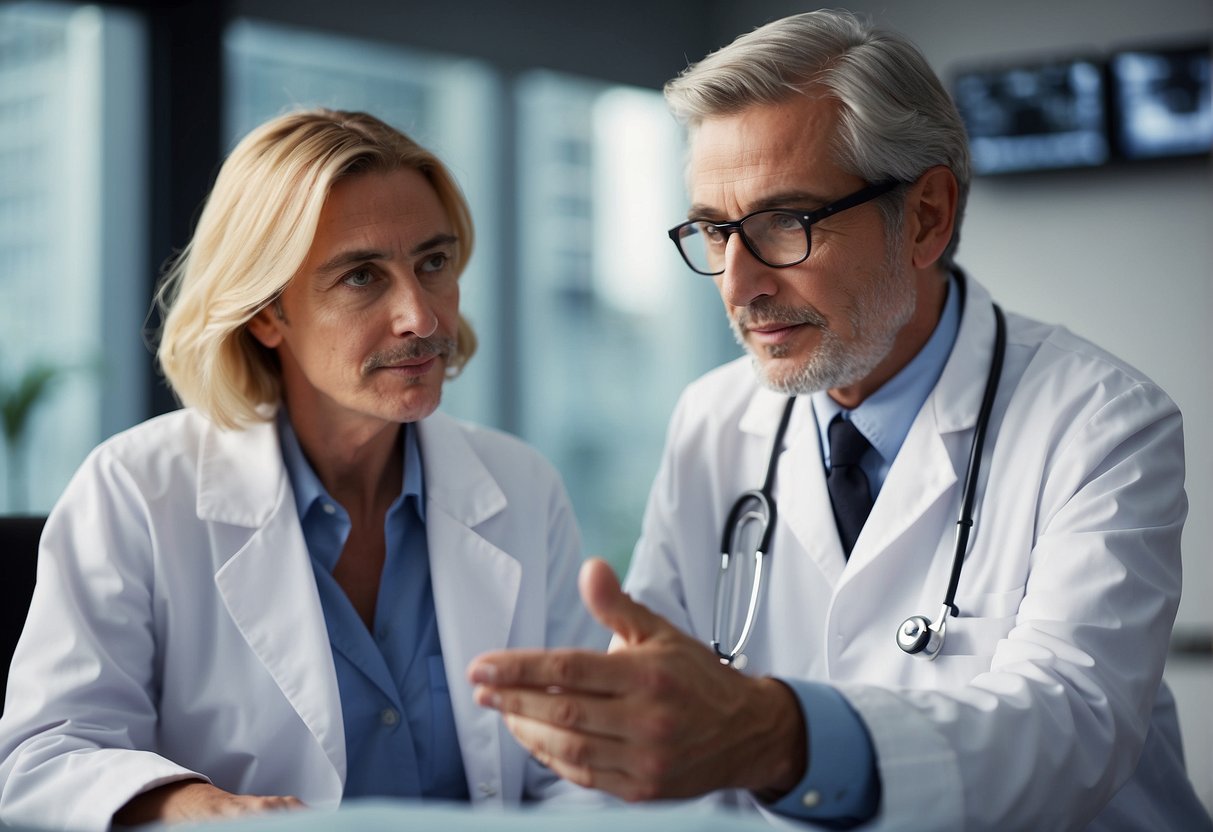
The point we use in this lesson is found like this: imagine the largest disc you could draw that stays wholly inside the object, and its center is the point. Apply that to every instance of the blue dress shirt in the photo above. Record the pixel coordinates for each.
(845, 787)
(400, 736)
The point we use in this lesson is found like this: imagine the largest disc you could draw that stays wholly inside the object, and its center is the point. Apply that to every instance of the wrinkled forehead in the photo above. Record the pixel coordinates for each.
(739, 159)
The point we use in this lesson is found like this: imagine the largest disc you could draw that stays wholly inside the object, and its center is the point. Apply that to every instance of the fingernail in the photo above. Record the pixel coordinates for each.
(484, 674)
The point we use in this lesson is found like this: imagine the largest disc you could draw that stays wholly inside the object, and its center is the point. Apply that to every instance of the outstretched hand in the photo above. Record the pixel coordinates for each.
(657, 716)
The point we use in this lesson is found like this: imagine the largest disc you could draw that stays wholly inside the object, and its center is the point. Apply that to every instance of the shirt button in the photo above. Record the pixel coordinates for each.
(487, 789)
(389, 717)
(811, 798)
(329, 508)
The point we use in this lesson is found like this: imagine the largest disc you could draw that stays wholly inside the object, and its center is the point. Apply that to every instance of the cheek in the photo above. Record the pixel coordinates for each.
(446, 308)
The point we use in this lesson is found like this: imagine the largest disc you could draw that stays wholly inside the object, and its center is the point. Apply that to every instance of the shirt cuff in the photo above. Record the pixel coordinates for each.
(841, 783)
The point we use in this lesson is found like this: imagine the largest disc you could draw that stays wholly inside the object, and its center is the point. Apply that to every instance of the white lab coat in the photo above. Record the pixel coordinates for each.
(176, 629)
(1046, 701)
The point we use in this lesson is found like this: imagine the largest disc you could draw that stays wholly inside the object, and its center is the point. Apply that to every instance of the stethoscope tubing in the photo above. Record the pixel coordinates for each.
(926, 638)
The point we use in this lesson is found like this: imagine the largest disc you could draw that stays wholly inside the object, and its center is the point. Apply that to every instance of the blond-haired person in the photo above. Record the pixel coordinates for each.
(267, 599)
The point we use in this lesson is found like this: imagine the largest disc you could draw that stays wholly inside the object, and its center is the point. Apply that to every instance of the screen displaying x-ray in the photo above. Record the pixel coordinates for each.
(1164, 101)
(1034, 117)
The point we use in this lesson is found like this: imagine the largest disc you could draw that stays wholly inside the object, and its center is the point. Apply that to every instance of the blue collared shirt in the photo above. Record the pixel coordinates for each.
(846, 786)
(400, 736)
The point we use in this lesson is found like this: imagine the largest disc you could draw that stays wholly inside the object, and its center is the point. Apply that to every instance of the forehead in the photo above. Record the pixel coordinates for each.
(397, 203)
(740, 159)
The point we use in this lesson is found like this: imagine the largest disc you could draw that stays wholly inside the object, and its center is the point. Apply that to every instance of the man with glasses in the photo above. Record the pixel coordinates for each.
(828, 176)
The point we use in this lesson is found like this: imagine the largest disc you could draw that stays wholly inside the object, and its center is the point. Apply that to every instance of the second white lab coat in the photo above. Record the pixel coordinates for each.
(176, 629)
(1045, 709)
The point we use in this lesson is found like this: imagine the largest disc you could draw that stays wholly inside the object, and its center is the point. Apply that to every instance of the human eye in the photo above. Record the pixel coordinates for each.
(784, 222)
(358, 279)
(436, 262)
(712, 235)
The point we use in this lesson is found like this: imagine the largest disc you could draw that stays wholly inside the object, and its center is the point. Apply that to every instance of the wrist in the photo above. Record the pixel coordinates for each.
(781, 742)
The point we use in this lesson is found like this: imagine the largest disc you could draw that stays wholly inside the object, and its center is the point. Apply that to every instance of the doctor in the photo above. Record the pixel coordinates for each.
(828, 175)
(268, 599)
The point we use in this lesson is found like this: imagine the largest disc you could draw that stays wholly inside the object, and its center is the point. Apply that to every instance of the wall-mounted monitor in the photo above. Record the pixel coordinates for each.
(1035, 117)
(1163, 101)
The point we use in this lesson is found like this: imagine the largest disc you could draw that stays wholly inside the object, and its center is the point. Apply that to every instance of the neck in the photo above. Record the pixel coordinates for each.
(360, 465)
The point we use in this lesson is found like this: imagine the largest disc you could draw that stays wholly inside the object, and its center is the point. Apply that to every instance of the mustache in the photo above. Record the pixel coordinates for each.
(764, 312)
(443, 347)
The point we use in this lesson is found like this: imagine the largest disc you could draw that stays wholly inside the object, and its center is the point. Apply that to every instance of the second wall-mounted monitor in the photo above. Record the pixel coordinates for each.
(1163, 101)
(1043, 116)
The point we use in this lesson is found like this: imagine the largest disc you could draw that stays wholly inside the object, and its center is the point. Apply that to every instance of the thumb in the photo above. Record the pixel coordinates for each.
(610, 605)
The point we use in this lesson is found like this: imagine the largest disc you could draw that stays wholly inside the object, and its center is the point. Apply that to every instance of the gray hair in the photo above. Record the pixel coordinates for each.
(896, 120)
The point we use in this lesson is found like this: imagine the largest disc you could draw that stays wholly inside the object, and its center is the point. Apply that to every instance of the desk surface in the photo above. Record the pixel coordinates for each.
(398, 816)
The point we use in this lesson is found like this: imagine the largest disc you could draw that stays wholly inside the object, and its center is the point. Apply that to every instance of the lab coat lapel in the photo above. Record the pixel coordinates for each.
(476, 586)
(931, 463)
(802, 500)
(267, 583)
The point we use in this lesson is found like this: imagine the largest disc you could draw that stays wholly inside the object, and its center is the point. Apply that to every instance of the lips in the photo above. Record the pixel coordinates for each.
(412, 367)
(774, 333)
(413, 358)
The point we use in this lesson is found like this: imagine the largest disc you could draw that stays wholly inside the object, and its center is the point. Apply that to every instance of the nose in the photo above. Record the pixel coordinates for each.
(745, 277)
(412, 309)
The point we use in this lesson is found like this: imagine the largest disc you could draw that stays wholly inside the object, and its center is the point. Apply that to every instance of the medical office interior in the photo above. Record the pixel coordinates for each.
(114, 116)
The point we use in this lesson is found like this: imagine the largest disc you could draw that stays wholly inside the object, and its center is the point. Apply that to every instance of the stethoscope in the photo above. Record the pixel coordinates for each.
(918, 635)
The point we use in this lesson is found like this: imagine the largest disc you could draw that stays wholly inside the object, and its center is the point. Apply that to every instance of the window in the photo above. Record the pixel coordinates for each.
(72, 226)
(612, 324)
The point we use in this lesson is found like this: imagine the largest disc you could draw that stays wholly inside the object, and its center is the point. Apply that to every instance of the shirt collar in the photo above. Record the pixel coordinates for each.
(885, 417)
(308, 488)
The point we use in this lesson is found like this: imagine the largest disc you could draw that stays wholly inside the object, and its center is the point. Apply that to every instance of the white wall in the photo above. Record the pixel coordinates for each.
(1123, 256)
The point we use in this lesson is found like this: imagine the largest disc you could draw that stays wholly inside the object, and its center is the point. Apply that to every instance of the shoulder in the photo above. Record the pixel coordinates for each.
(172, 454)
(498, 447)
(717, 399)
(1061, 365)
(510, 460)
(154, 447)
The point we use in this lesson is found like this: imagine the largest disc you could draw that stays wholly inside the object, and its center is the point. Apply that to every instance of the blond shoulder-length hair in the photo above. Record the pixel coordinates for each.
(252, 238)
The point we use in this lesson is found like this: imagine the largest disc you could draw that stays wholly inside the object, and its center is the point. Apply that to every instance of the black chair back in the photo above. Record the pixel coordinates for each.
(19, 561)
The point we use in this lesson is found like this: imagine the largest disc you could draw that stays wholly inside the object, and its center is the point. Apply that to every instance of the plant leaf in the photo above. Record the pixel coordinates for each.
(18, 402)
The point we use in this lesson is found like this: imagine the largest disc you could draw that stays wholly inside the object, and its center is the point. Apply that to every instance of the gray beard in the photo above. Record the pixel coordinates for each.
(877, 318)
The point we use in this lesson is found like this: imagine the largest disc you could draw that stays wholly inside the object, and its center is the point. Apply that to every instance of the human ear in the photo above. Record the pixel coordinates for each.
(266, 325)
(931, 215)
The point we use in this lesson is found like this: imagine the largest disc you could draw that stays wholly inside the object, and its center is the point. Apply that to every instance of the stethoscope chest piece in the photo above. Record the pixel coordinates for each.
(919, 637)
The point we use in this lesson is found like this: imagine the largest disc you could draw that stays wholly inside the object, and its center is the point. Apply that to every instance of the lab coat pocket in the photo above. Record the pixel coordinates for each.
(984, 620)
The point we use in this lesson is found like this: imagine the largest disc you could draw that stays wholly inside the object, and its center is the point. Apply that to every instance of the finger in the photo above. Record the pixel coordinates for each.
(617, 783)
(570, 670)
(570, 750)
(610, 605)
(606, 716)
(603, 763)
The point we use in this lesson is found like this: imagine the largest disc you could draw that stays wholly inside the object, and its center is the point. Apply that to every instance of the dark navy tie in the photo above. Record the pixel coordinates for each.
(849, 492)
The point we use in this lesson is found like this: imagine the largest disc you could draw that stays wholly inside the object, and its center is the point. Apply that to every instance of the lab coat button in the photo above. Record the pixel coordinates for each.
(811, 798)
(389, 717)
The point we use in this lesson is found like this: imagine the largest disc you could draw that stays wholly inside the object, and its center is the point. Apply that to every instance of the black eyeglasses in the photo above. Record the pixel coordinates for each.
(776, 236)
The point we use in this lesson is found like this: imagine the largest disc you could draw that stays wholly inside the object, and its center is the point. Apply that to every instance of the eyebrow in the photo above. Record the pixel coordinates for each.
(797, 200)
(354, 256)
